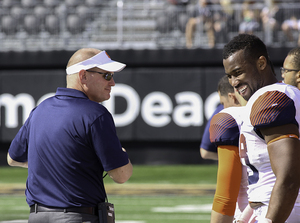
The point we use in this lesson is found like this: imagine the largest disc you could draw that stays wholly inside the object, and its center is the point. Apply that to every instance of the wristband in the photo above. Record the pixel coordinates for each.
(246, 215)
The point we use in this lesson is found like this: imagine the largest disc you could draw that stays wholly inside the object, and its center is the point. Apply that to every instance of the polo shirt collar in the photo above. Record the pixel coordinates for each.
(70, 92)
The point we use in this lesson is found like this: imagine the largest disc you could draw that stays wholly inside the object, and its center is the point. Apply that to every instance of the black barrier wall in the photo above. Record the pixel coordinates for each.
(161, 98)
(146, 103)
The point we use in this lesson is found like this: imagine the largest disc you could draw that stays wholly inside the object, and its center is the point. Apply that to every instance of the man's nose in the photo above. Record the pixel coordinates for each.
(234, 81)
(112, 82)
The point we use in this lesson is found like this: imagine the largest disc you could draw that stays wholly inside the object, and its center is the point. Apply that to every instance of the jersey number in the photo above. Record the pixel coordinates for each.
(252, 171)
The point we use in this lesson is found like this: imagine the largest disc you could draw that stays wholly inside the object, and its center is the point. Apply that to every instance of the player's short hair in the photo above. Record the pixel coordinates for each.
(295, 53)
(224, 87)
(253, 47)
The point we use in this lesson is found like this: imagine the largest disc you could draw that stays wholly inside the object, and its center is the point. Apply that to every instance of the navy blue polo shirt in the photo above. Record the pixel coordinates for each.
(68, 141)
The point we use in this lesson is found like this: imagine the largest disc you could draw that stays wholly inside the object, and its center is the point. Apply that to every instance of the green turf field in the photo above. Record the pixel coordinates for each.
(154, 194)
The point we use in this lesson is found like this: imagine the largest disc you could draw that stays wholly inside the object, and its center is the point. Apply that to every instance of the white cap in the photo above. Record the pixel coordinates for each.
(100, 60)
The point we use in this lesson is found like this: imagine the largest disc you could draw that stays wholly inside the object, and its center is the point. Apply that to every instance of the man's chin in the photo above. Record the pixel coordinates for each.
(106, 98)
(246, 97)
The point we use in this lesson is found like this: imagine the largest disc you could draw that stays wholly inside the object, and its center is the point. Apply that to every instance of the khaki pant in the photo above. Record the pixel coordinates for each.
(61, 217)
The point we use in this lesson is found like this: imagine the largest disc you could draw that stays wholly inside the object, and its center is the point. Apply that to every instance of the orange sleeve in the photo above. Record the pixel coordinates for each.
(228, 180)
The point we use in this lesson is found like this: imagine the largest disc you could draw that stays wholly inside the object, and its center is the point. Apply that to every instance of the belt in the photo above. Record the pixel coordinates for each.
(83, 210)
(255, 205)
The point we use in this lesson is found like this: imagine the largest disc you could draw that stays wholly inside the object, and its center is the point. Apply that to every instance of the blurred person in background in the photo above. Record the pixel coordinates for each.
(230, 198)
(202, 15)
(208, 150)
(250, 22)
(290, 71)
(290, 28)
(272, 17)
(67, 143)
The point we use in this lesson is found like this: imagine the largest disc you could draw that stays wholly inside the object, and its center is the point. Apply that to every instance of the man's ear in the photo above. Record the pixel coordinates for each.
(261, 63)
(232, 97)
(298, 75)
(82, 76)
(298, 79)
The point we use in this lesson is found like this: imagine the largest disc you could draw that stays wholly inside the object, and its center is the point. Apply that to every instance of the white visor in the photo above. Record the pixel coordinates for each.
(100, 60)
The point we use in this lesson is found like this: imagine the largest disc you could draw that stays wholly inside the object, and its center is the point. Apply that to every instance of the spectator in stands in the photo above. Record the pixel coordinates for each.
(272, 18)
(174, 17)
(291, 26)
(179, 2)
(202, 15)
(230, 20)
(220, 25)
(250, 22)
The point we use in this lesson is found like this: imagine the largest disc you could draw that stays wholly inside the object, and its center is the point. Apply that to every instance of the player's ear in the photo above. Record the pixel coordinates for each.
(231, 95)
(232, 98)
(261, 63)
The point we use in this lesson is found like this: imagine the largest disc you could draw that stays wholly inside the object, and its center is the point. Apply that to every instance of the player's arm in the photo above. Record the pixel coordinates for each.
(208, 155)
(218, 217)
(228, 184)
(208, 150)
(122, 174)
(12, 162)
(284, 157)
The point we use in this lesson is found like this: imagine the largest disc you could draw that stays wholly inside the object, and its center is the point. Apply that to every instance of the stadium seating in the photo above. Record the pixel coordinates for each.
(52, 24)
(112, 24)
(8, 25)
(31, 24)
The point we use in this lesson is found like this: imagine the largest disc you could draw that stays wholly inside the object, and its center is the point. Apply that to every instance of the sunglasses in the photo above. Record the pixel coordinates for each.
(106, 76)
(284, 70)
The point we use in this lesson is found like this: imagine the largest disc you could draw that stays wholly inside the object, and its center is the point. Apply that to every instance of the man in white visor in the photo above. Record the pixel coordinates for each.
(67, 143)
(84, 69)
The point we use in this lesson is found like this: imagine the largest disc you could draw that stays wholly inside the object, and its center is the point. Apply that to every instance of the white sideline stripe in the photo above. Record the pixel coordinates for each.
(184, 209)
(15, 221)
(130, 222)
